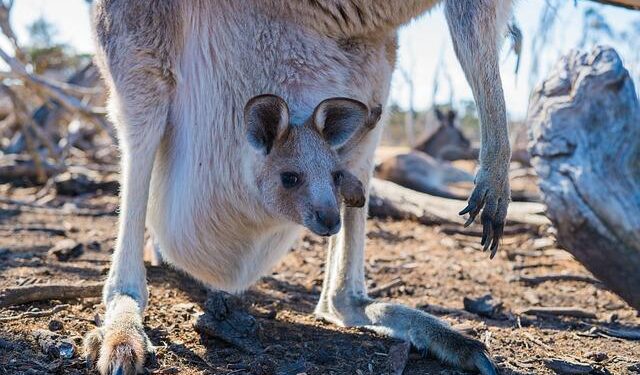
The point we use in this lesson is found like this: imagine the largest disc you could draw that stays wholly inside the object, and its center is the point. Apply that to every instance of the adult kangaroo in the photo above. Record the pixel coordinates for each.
(198, 155)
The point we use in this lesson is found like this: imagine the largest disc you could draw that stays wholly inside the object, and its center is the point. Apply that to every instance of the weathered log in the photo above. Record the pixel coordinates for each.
(584, 125)
(387, 199)
(34, 293)
(421, 172)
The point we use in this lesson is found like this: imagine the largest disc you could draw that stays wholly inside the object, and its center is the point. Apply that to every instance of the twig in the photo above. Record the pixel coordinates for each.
(621, 333)
(57, 231)
(32, 207)
(35, 314)
(559, 311)
(629, 4)
(385, 287)
(541, 279)
(517, 267)
(57, 92)
(536, 341)
(34, 293)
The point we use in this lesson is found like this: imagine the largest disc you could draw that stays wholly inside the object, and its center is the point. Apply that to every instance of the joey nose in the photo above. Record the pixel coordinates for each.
(329, 219)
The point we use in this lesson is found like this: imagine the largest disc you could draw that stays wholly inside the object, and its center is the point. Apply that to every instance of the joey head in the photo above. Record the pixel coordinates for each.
(298, 169)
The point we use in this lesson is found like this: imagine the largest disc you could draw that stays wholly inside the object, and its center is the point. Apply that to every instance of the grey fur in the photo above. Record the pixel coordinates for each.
(179, 74)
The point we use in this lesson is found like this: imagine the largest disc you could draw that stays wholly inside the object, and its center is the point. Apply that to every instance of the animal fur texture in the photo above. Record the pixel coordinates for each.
(180, 74)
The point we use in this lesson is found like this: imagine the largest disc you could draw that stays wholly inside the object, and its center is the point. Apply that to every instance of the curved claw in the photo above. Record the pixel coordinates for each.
(498, 229)
(494, 211)
(476, 203)
(486, 233)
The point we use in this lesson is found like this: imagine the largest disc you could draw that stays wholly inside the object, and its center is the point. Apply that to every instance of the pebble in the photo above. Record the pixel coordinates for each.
(55, 325)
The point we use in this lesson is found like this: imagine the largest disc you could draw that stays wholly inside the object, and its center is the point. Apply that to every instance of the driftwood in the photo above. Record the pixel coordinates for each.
(35, 314)
(387, 199)
(568, 367)
(35, 293)
(562, 311)
(421, 172)
(585, 145)
(535, 280)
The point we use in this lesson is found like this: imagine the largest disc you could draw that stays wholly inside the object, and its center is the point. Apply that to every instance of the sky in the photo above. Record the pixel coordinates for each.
(424, 45)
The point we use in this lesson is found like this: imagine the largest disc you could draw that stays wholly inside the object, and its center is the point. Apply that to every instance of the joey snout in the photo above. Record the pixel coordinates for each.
(326, 220)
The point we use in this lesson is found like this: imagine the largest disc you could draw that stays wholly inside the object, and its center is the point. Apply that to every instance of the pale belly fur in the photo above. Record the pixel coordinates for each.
(204, 209)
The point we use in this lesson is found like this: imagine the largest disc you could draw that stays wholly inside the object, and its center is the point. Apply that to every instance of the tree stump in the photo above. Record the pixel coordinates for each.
(584, 123)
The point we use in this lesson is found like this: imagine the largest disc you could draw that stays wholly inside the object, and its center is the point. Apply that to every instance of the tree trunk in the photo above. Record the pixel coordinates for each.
(584, 123)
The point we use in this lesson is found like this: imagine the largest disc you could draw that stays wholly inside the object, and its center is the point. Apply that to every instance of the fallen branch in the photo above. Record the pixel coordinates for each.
(536, 341)
(621, 333)
(477, 232)
(35, 314)
(375, 292)
(12, 204)
(54, 91)
(563, 366)
(559, 311)
(535, 280)
(35, 293)
(56, 231)
(388, 199)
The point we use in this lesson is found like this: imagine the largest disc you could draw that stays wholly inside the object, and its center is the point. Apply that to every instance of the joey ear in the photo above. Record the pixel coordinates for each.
(338, 118)
(351, 190)
(266, 117)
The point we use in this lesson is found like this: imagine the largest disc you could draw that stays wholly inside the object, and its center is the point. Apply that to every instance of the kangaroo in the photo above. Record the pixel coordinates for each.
(209, 186)
(447, 142)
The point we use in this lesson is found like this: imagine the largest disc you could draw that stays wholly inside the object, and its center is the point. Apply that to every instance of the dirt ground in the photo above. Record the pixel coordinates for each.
(436, 271)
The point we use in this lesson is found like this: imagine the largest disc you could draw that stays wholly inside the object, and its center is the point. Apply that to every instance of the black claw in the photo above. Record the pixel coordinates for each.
(471, 206)
(486, 229)
(498, 229)
(469, 221)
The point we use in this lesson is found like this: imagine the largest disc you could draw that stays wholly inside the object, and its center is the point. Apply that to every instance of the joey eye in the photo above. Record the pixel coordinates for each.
(289, 179)
(337, 177)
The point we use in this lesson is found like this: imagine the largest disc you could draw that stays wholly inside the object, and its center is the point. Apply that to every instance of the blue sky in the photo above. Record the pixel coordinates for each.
(423, 44)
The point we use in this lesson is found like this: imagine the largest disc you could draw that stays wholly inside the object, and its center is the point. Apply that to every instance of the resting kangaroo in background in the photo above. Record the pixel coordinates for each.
(225, 197)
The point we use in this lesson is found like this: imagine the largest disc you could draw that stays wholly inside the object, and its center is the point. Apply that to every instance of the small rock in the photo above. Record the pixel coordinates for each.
(53, 344)
(634, 368)
(66, 249)
(226, 319)
(187, 306)
(94, 246)
(55, 325)
(484, 306)
(561, 366)
(598, 356)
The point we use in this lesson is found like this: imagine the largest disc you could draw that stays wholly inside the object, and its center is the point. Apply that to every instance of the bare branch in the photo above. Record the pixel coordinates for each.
(629, 4)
